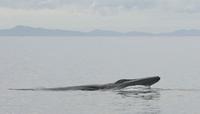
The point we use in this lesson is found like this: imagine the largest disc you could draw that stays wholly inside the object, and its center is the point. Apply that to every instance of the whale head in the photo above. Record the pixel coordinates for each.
(150, 80)
(141, 81)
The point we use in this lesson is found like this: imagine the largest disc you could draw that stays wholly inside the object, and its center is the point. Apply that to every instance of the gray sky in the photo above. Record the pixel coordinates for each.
(86, 15)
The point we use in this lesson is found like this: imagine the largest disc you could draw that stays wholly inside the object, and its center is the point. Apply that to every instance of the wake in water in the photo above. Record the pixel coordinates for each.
(177, 89)
(146, 93)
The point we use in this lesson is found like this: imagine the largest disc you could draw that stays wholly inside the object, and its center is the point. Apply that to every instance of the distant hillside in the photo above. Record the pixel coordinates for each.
(183, 32)
(31, 31)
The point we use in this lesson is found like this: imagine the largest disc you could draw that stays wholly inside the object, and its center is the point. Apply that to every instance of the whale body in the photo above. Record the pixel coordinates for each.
(120, 84)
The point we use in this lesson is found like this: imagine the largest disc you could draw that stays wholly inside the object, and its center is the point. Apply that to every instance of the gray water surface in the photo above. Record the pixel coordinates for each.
(31, 62)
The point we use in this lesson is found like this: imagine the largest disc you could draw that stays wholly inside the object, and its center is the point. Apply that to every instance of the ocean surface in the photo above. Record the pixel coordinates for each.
(32, 62)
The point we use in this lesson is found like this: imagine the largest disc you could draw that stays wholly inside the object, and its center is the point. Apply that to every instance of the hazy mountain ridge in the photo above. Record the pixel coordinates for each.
(31, 31)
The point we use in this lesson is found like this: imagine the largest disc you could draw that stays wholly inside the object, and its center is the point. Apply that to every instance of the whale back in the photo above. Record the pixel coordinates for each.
(121, 81)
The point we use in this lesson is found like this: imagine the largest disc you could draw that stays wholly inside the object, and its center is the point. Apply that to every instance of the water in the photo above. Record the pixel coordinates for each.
(29, 62)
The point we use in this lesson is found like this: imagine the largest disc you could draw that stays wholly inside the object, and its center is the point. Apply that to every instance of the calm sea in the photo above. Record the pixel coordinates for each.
(31, 62)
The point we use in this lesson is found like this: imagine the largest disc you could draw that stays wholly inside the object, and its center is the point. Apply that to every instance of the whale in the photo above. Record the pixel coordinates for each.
(120, 84)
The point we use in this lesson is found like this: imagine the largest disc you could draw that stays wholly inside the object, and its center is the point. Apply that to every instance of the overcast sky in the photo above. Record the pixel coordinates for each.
(86, 15)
